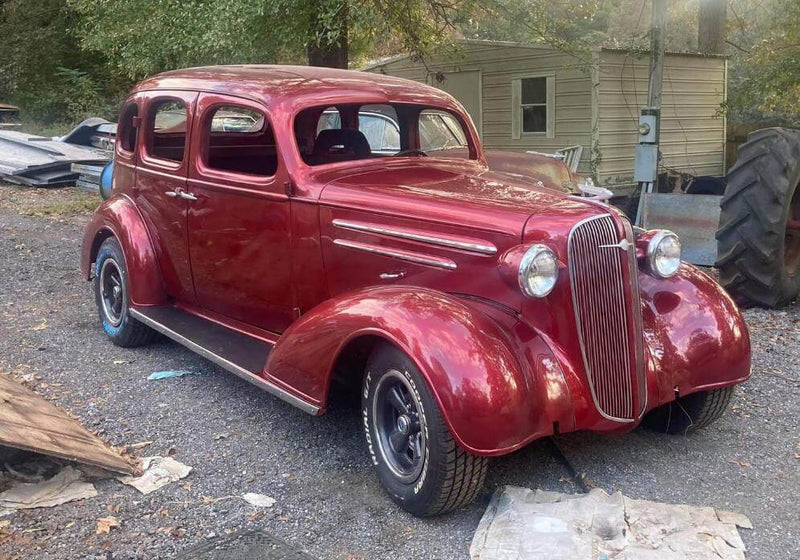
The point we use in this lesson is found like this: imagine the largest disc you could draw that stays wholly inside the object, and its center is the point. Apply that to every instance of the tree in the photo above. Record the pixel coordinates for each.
(144, 38)
(764, 80)
(711, 29)
(44, 70)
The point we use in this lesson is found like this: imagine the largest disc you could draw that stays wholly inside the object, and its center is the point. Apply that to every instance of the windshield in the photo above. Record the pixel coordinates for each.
(356, 132)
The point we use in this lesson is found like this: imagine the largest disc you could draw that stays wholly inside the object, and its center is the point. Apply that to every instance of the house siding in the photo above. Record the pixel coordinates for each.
(692, 128)
(499, 65)
(597, 104)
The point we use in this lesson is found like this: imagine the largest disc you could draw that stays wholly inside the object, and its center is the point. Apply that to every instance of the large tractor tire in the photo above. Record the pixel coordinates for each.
(759, 227)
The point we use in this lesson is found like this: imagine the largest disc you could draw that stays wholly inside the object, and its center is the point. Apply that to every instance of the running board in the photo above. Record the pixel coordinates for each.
(236, 352)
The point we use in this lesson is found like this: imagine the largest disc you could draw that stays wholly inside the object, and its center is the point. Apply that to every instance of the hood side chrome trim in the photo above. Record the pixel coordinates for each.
(427, 260)
(480, 247)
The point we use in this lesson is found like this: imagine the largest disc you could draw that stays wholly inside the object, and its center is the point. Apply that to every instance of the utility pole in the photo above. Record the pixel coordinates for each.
(646, 162)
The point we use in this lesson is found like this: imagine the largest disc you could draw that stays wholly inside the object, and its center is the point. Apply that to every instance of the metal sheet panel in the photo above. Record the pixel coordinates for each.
(29, 422)
(694, 217)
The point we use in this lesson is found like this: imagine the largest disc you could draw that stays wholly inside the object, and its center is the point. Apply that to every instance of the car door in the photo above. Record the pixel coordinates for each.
(239, 224)
(160, 188)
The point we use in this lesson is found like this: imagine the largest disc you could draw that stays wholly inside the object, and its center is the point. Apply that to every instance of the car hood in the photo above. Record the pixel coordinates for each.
(461, 193)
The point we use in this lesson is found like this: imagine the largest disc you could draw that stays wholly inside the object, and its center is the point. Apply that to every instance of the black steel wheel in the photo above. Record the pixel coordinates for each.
(400, 426)
(759, 227)
(690, 412)
(111, 296)
(418, 461)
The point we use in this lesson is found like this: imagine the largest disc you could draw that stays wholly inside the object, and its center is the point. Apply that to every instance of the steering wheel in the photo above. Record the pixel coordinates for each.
(412, 151)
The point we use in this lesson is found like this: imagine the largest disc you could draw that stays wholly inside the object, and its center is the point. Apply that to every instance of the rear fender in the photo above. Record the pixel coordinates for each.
(482, 375)
(119, 217)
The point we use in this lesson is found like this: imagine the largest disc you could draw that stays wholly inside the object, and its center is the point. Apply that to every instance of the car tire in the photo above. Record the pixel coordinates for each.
(689, 413)
(111, 296)
(758, 255)
(418, 461)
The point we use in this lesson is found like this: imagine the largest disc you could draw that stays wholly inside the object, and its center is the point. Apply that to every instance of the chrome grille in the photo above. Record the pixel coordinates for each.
(597, 265)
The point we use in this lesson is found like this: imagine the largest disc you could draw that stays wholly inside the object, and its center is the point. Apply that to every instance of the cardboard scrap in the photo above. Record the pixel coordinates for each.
(522, 524)
(31, 423)
(158, 472)
(64, 487)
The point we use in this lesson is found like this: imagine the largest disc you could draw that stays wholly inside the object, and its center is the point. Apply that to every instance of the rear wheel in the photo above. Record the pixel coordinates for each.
(111, 296)
(689, 413)
(759, 226)
(418, 462)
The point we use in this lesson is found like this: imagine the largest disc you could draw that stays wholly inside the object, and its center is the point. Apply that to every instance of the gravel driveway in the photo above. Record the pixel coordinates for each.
(238, 439)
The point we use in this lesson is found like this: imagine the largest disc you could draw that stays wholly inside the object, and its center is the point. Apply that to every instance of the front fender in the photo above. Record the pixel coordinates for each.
(695, 337)
(119, 217)
(483, 376)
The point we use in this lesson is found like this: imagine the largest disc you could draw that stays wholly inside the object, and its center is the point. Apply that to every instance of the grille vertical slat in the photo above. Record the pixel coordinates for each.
(603, 314)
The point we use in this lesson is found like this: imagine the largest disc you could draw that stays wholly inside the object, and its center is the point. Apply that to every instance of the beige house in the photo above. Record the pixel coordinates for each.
(533, 97)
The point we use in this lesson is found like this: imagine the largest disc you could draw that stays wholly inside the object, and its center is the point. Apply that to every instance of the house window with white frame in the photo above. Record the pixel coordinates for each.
(533, 108)
(533, 102)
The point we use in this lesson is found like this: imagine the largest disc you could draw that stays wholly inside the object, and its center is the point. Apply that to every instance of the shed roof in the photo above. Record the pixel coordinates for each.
(513, 44)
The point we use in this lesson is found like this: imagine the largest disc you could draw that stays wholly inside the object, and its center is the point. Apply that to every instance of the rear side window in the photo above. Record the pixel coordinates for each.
(168, 137)
(240, 140)
(127, 130)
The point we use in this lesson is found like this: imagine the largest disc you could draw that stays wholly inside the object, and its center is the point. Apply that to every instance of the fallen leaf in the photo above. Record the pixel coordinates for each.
(105, 524)
(41, 326)
(743, 464)
(255, 516)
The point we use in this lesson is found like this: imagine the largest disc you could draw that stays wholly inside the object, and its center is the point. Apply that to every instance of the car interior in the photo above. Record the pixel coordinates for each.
(353, 132)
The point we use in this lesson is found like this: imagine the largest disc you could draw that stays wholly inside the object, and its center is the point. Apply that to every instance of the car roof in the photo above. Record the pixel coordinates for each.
(280, 85)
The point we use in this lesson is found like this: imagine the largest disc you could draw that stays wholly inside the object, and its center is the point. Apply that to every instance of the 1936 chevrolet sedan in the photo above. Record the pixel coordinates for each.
(477, 311)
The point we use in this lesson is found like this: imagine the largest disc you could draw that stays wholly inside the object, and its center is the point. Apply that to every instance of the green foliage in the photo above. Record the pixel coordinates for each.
(44, 71)
(63, 60)
(765, 84)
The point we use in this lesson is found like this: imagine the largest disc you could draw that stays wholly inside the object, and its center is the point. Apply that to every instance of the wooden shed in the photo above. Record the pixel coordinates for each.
(534, 97)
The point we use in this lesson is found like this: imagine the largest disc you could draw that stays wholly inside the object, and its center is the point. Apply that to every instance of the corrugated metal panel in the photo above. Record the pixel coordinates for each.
(692, 128)
(499, 65)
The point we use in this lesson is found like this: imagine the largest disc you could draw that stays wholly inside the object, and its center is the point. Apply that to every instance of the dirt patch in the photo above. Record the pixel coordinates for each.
(64, 203)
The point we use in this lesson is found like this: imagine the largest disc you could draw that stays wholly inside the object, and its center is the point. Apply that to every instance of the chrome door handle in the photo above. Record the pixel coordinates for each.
(392, 275)
(187, 196)
(173, 194)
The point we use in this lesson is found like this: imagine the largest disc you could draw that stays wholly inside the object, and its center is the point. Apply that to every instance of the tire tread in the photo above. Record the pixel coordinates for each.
(752, 219)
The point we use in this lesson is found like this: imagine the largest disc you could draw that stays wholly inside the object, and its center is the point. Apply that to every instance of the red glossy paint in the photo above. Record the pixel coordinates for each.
(421, 252)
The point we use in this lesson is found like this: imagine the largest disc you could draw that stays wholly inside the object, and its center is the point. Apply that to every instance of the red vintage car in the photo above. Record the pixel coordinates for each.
(259, 221)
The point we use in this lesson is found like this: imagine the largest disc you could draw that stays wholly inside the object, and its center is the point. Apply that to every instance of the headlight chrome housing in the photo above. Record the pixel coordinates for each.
(664, 253)
(538, 271)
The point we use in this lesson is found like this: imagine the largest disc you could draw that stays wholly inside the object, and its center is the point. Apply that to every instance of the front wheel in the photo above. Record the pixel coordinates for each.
(689, 413)
(111, 296)
(418, 461)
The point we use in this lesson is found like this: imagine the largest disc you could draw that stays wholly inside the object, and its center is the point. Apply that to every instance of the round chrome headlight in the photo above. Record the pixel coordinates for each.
(538, 271)
(664, 254)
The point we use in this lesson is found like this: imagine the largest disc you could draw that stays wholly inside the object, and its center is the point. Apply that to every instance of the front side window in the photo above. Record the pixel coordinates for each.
(239, 140)
(440, 132)
(355, 132)
(167, 139)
